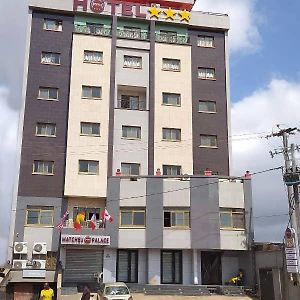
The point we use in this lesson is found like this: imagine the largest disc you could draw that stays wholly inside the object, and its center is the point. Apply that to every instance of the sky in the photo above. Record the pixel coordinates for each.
(265, 91)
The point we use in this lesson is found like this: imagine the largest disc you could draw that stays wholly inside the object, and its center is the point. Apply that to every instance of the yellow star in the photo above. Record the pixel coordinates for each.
(169, 13)
(154, 11)
(185, 15)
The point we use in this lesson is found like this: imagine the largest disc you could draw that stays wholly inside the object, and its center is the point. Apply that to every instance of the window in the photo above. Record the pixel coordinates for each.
(43, 167)
(134, 62)
(45, 129)
(171, 99)
(171, 64)
(207, 106)
(168, 36)
(87, 128)
(176, 218)
(133, 218)
(53, 25)
(131, 132)
(93, 56)
(205, 41)
(208, 141)
(91, 92)
(127, 271)
(128, 169)
(232, 218)
(131, 32)
(171, 170)
(93, 28)
(42, 216)
(131, 102)
(50, 58)
(48, 93)
(171, 266)
(171, 134)
(206, 73)
(89, 167)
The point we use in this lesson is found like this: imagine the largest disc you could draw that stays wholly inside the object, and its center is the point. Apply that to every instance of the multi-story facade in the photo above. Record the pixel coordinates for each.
(138, 90)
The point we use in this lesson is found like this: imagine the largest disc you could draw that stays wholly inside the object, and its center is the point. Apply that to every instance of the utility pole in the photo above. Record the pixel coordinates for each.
(292, 180)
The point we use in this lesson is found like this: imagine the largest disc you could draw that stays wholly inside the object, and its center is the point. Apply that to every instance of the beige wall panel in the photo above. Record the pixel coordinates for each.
(132, 238)
(86, 110)
(233, 240)
(173, 236)
(173, 153)
(231, 194)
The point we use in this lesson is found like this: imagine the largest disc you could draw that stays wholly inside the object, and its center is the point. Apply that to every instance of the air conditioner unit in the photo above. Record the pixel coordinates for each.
(19, 264)
(20, 248)
(39, 248)
(38, 264)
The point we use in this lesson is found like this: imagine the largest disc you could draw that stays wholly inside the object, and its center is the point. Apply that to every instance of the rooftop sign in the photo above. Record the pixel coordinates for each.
(133, 9)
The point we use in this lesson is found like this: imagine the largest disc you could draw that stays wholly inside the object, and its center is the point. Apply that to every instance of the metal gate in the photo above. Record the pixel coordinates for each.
(82, 265)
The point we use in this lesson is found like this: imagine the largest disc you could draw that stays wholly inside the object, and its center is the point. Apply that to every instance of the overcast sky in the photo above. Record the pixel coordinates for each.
(265, 91)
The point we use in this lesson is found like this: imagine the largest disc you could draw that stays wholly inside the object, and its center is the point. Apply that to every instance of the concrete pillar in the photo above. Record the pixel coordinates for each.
(195, 266)
(109, 265)
(154, 266)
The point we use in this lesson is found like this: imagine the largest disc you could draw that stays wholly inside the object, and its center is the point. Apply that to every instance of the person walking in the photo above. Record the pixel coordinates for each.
(86, 295)
(46, 293)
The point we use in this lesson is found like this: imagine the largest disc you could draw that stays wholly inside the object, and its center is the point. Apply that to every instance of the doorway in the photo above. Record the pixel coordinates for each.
(211, 268)
(171, 266)
(127, 266)
(266, 284)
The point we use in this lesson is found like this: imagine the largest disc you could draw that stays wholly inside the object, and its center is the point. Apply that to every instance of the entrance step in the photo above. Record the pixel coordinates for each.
(231, 290)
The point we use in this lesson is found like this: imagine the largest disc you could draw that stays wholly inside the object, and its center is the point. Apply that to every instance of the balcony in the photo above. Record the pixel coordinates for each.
(85, 224)
(131, 103)
(131, 97)
(133, 34)
(98, 30)
(181, 39)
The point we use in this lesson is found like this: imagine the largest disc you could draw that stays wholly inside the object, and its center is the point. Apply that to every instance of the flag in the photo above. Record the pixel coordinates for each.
(106, 216)
(93, 221)
(60, 225)
(79, 218)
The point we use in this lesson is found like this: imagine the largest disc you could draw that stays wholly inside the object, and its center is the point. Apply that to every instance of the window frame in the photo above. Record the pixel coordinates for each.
(127, 163)
(171, 130)
(132, 138)
(90, 134)
(44, 161)
(48, 88)
(59, 22)
(205, 37)
(40, 210)
(171, 59)
(88, 172)
(45, 135)
(208, 112)
(165, 166)
(93, 62)
(132, 56)
(206, 69)
(51, 64)
(209, 135)
(132, 218)
(231, 212)
(170, 104)
(173, 211)
(91, 87)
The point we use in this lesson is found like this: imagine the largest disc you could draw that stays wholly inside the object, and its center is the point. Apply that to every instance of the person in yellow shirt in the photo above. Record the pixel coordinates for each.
(46, 293)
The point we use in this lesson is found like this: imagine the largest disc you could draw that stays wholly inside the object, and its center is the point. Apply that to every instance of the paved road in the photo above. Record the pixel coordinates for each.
(156, 297)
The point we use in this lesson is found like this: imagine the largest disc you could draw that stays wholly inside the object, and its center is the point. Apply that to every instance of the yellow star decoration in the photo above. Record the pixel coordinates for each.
(185, 15)
(154, 11)
(169, 13)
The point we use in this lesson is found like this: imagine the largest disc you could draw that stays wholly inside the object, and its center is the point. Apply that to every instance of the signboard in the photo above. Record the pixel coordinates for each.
(132, 9)
(291, 251)
(93, 240)
(30, 273)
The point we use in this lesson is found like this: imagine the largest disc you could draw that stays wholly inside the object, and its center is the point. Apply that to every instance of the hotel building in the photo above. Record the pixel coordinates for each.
(126, 106)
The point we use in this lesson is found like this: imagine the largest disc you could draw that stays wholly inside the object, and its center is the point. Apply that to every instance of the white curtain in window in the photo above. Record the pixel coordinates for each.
(132, 62)
(171, 64)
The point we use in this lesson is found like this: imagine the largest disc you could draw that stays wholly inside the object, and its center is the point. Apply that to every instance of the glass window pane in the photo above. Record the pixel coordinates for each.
(126, 218)
(238, 220)
(53, 93)
(167, 219)
(96, 92)
(139, 218)
(46, 217)
(93, 167)
(225, 219)
(135, 169)
(187, 218)
(179, 218)
(83, 166)
(96, 129)
(207, 106)
(86, 92)
(125, 169)
(43, 93)
(32, 217)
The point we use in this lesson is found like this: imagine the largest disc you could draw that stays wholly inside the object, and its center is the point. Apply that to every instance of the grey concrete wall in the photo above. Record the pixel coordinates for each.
(154, 266)
(154, 214)
(187, 267)
(22, 204)
(205, 224)
(109, 265)
(248, 212)
(112, 205)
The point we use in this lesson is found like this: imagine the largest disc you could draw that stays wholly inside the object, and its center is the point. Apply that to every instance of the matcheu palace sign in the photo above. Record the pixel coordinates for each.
(93, 240)
(136, 9)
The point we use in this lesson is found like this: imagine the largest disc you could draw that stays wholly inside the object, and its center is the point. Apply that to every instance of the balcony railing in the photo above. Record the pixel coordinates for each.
(133, 34)
(85, 224)
(93, 29)
(132, 104)
(172, 38)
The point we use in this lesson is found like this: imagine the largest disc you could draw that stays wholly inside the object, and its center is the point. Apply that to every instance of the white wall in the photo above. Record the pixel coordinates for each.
(176, 239)
(179, 198)
(233, 240)
(231, 194)
(109, 265)
(133, 189)
(187, 267)
(132, 238)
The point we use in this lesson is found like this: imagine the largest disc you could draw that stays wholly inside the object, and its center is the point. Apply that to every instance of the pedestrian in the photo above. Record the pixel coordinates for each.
(86, 295)
(46, 293)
